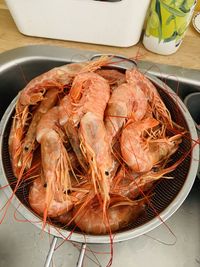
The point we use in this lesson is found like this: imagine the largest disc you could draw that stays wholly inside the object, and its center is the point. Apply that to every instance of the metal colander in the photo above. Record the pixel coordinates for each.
(168, 195)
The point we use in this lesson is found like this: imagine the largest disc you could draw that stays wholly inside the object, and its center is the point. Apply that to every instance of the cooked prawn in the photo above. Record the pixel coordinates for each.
(89, 93)
(33, 93)
(119, 214)
(57, 77)
(65, 110)
(127, 101)
(130, 184)
(61, 202)
(29, 142)
(141, 154)
(37, 199)
(114, 77)
(96, 149)
(158, 107)
(55, 159)
(65, 218)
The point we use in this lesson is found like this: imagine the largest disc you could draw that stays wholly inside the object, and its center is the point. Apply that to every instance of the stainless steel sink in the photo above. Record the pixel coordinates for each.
(22, 244)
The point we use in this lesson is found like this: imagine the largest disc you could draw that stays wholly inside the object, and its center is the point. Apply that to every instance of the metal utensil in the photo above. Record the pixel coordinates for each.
(169, 194)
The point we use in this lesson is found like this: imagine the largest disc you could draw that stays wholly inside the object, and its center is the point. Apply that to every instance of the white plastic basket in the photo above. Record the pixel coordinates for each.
(100, 22)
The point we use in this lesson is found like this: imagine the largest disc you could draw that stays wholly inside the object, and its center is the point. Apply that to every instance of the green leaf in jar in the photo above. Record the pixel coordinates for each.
(187, 5)
(148, 30)
(173, 11)
(184, 7)
(171, 38)
(154, 20)
(158, 11)
(170, 18)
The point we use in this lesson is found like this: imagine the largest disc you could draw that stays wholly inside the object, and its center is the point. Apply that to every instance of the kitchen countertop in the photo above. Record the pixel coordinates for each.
(187, 56)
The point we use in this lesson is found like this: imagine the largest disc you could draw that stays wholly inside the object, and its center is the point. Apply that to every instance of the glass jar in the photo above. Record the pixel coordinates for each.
(166, 25)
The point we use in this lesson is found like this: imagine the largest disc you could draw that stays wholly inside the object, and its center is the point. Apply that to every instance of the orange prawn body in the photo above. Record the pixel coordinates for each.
(55, 158)
(89, 93)
(114, 77)
(34, 92)
(61, 203)
(27, 144)
(96, 149)
(132, 185)
(127, 101)
(92, 219)
(37, 199)
(139, 153)
(159, 109)
(65, 110)
(57, 77)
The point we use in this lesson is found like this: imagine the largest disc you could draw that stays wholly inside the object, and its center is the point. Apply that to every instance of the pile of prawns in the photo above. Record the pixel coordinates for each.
(93, 141)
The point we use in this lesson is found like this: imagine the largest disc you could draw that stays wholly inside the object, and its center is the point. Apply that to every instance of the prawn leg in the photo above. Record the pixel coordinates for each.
(72, 134)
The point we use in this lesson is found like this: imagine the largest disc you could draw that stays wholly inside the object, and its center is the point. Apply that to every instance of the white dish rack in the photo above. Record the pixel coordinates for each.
(101, 22)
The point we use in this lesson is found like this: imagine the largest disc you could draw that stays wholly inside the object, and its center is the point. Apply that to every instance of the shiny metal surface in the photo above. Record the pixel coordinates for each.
(29, 54)
(51, 251)
(81, 256)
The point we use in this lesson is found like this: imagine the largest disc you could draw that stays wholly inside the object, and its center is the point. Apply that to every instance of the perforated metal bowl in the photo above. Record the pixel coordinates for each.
(169, 194)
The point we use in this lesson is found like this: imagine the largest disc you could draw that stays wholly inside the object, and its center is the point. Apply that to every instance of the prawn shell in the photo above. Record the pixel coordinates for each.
(37, 195)
(92, 220)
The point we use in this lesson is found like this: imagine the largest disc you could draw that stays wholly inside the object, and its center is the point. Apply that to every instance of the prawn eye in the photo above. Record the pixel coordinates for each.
(26, 148)
(45, 185)
(106, 173)
(67, 192)
(155, 169)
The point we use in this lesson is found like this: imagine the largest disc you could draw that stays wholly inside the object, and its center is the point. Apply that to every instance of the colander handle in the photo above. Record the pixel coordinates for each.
(81, 256)
(52, 248)
(51, 251)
